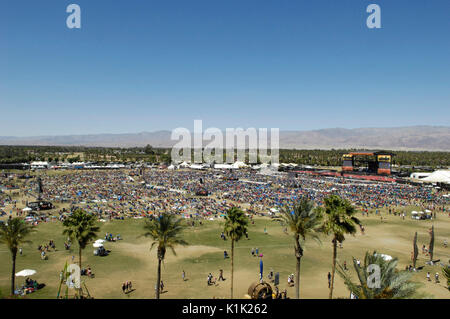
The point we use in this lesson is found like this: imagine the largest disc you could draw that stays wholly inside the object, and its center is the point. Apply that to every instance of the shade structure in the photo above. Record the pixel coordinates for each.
(97, 245)
(100, 241)
(25, 273)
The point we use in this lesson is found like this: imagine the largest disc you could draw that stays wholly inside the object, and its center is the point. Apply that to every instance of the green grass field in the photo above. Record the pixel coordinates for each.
(131, 259)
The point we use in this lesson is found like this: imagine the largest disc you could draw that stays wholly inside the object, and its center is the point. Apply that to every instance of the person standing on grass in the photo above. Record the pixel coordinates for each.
(183, 275)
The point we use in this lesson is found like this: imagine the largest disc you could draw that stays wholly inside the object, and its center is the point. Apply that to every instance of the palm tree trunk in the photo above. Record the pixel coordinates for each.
(297, 279)
(298, 255)
(13, 274)
(79, 261)
(158, 276)
(333, 269)
(232, 266)
(79, 257)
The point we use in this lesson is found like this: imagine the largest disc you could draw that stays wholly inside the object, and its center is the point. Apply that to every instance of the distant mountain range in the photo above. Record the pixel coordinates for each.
(436, 138)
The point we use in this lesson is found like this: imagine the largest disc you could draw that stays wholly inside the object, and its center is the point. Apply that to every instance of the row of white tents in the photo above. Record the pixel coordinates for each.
(235, 165)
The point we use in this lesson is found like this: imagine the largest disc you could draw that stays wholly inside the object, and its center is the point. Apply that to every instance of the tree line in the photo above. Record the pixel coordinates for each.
(149, 154)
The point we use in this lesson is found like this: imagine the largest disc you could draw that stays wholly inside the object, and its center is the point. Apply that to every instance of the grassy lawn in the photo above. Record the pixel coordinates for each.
(131, 259)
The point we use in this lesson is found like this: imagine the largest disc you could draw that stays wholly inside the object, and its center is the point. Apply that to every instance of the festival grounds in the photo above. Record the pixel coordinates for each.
(130, 259)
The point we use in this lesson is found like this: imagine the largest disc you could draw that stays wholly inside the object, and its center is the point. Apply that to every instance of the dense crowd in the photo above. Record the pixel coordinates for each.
(125, 193)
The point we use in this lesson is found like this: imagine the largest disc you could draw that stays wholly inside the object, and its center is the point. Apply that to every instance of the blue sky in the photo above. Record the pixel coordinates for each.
(149, 65)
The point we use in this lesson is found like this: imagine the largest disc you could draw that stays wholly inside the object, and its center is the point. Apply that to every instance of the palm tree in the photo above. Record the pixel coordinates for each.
(415, 250)
(82, 227)
(235, 227)
(303, 221)
(166, 233)
(339, 220)
(13, 234)
(446, 272)
(393, 284)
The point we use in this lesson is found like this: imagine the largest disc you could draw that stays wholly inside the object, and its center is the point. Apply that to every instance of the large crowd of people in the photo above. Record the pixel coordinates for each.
(117, 194)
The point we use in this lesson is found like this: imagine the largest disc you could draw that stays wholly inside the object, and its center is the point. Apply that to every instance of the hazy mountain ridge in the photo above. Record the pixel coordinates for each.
(396, 138)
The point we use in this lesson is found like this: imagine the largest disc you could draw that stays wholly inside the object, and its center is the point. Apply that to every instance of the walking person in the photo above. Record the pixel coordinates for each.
(124, 287)
(183, 276)
(221, 275)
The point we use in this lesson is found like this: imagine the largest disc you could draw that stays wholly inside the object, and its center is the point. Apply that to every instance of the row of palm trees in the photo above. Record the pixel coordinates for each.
(336, 218)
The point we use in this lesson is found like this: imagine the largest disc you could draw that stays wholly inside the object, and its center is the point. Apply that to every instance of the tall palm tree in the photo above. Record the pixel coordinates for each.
(166, 233)
(13, 233)
(235, 227)
(82, 227)
(303, 220)
(339, 220)
(393, 284)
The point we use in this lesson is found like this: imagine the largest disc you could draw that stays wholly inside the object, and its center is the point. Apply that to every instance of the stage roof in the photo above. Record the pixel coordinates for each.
(370, 153)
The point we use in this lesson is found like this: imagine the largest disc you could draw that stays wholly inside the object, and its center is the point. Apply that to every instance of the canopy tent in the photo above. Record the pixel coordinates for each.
(385, 257)
(239, 165)
(441, 176)
(25, 273)
(27, 209)
(184, 164)
(223, 166)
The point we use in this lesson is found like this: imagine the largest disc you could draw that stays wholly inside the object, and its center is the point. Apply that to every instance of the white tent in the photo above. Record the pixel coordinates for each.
(441, 176)
(184, 164)
(239, 165)
(27, 209)
(223, 166)
(384, 256)
(196, 166)
(25, 273)
(171, 167)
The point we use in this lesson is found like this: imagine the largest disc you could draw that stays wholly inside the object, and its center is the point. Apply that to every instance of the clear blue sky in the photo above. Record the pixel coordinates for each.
(143, 65)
